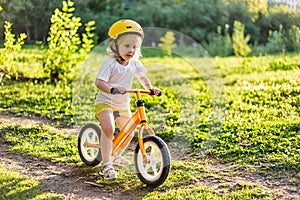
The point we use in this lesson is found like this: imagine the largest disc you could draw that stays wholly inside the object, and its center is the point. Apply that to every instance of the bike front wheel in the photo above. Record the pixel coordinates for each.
(89, 134)
(154, 172)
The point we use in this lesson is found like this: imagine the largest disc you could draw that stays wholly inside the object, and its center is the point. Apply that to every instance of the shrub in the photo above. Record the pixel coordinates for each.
(11, 46)
(64, 41)
(167, 43)
(276, 43)
(240, 42)
(293, 40)
(219, 44)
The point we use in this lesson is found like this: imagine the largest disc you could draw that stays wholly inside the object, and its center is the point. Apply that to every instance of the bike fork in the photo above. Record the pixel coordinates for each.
(140, 140)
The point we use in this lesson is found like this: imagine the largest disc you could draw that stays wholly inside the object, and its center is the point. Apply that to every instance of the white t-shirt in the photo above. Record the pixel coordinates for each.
(116, 74)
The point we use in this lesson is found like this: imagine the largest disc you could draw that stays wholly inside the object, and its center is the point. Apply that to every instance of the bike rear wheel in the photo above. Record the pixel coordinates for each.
(89, 133)
(156, 171)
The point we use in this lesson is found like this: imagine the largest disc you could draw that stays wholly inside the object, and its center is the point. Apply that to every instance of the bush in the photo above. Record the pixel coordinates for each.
(276, 43)
(11, 47)
(167, 43)
(219, 44)
(293, 40)
(64, 41)
(240, 42)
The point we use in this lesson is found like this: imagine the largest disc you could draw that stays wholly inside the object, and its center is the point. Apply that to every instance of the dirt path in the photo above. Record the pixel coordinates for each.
(56, 178)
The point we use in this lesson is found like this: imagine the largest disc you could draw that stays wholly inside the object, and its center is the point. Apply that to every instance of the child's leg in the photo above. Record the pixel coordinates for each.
(106, 120)
(121, 121)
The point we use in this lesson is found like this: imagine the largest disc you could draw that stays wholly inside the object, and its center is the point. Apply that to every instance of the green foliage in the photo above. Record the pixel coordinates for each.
(257, 7)
(10, 43)
(168, 107)
(276, 41)
(31, 17)
(87, 38)
(64, 41)
(293, 41)
(240, 42)
(197, 20)
(280, 41)
(11, 49)
(167, 43)
(219, 44)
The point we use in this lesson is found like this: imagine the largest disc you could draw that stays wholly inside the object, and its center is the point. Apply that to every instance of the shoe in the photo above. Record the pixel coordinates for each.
(109, 171)
(121, 161)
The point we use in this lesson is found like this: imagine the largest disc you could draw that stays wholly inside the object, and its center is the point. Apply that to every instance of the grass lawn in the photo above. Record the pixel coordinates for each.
(237, 118)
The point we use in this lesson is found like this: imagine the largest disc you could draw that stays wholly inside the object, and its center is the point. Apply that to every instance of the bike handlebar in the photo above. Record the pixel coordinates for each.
(150, 92)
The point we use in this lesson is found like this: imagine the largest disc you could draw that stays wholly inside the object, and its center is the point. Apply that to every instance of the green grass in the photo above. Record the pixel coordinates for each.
(52, 101)
(15, 187)
(191, 178)
(257, 126)
(41, 141)
(260, 108)
(262, 112)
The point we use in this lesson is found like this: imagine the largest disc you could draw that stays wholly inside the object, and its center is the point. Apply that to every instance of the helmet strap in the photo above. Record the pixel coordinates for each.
(116, 51)
(122, 59)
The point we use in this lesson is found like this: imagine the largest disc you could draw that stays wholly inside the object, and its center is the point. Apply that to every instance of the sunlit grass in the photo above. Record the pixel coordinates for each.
(41, 141)
(259, 126)
(15, 187)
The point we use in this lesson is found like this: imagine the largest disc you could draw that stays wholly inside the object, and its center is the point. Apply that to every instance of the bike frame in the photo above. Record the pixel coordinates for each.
(125, 136)
(139, 117)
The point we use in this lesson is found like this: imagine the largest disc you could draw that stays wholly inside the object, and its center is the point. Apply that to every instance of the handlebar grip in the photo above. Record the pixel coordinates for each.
(152, 93)
(114, 91)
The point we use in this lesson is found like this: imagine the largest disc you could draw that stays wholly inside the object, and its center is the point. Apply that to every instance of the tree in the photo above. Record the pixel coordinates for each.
(237, 10)
(193, 18)
(240, 41)
(254, 7)
(281, 15)
(30, 16)
(257, 7)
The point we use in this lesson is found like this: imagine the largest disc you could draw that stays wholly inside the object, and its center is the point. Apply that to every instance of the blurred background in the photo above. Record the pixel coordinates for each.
(272, 25)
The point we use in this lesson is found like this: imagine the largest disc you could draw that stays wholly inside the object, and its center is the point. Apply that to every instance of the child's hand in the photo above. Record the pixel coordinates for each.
(118, 90)
(155, 91)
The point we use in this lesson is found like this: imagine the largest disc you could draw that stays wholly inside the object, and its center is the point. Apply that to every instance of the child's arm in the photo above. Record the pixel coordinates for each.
(144, 80)
(105, 87)
(102, 85)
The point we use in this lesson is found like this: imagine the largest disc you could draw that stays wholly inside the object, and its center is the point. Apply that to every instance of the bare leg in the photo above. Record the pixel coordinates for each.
(106, 120)
(121, 121)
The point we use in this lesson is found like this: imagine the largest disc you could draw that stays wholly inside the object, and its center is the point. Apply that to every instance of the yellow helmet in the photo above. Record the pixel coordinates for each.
(125, 26)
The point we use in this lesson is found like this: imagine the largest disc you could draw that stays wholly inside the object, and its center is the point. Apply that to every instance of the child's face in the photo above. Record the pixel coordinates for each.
(128, 46)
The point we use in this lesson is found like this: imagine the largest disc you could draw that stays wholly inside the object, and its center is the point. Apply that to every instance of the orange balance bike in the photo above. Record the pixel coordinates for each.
(152, 156)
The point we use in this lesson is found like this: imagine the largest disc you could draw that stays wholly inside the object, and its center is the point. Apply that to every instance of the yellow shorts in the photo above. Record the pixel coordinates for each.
(101, 107)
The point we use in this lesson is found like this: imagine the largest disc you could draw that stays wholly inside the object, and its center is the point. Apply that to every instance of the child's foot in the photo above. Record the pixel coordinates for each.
(109, 171)
(121, 160)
